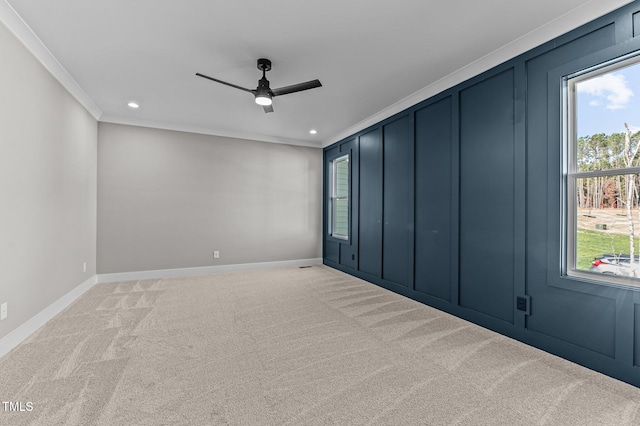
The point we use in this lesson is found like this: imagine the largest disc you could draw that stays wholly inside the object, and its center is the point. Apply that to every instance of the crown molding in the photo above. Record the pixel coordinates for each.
(561, 25)
(206, 131)
(16, 25)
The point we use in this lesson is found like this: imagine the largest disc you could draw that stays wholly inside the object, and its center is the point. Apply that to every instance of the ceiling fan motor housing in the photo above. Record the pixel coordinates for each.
(264, 64)
(263, 90)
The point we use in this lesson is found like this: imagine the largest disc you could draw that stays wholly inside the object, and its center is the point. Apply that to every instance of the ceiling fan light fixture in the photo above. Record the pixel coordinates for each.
(263, 93)
(263, 99)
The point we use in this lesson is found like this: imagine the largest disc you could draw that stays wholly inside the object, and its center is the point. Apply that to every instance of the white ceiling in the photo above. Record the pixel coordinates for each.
(374, 58)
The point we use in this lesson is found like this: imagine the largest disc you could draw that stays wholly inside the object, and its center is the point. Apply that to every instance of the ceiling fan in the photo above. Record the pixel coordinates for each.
(263, 93)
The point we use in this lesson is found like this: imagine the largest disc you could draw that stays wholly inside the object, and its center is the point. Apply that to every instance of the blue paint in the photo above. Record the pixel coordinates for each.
(457, 204)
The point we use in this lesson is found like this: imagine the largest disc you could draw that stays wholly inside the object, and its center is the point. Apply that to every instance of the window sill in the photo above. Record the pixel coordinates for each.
(617, 281)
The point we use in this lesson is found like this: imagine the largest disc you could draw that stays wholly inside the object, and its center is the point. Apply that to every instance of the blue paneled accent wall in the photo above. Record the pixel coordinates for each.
(456, 202)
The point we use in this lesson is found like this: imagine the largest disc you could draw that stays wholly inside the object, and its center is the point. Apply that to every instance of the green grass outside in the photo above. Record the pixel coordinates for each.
(592, 244)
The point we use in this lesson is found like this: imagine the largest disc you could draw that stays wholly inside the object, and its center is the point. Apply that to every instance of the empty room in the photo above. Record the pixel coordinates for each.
(312, 213)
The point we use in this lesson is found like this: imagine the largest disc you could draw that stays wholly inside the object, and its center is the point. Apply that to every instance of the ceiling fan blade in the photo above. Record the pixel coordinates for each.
(296, 88)
(224, 82)
(268, 108)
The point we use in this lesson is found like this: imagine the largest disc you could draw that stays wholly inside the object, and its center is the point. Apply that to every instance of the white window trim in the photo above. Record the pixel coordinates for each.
(570, 174)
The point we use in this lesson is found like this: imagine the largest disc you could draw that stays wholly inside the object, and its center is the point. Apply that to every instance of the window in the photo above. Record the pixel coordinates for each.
(339, 208)
(602, 172)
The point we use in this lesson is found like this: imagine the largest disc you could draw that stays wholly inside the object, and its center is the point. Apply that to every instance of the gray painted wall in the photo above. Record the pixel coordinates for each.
(48, 162)
(169, 199)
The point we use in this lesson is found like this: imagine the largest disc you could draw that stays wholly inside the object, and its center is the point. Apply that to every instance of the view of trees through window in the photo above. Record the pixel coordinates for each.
(603, 171)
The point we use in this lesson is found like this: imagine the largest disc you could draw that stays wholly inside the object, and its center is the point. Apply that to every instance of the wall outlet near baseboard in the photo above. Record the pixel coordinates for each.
(216, 254)
(523, 303)
(84, 266)
(3, 311)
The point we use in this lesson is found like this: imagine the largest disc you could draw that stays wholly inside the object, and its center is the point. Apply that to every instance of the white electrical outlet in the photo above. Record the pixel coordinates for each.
(216, 254)
(3, 311)
(84, 266)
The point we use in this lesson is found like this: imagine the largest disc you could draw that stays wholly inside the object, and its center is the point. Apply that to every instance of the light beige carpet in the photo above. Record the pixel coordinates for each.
(289, 347)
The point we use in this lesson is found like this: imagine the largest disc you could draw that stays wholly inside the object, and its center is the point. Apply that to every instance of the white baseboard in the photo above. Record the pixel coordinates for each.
(202, 270)
(18, 335)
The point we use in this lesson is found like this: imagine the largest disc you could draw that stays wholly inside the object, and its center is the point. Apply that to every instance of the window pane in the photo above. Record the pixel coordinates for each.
(606, 118)
(607, 222)
(340, 198)
(603, 186)
(342, 178)
(341, 217)
(602, 152)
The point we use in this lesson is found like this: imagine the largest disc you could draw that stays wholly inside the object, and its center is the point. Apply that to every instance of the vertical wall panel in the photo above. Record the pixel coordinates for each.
(486, 196)
(588, 321)
(433, 200)
(370, 220)
(348, 248)
(331, 251)
(397, 251)
(347, 256)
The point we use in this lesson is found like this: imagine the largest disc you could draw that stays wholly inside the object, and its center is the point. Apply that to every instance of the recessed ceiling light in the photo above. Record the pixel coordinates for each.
(313, 131)
(133, 105)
